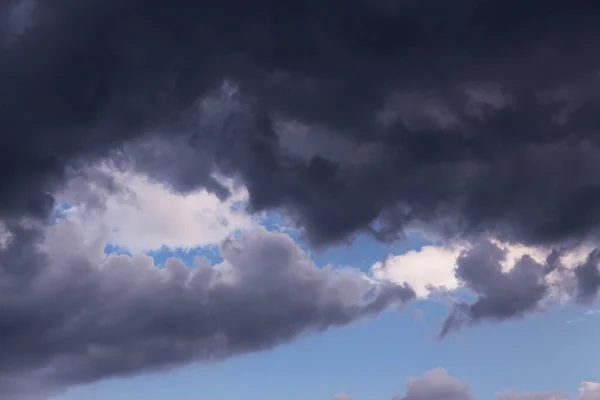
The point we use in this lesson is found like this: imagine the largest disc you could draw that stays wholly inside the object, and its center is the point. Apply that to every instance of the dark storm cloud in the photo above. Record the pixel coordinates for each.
(483, 114)
(471, 117)
(500, 294)
(79, 320)
(588, 278)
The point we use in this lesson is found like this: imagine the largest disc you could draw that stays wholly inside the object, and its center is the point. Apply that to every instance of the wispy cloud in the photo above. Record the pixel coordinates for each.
(584, 318)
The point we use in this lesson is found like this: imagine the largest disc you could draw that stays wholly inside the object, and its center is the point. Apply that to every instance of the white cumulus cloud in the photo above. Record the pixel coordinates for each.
(423, 269)
(148, 215)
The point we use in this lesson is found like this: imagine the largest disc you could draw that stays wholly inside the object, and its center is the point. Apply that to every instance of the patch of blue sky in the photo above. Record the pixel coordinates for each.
(114, 249)
(186, 255)
(362, 252)
(60, 211)
(275, 222)
(239, 206)
(160, 256)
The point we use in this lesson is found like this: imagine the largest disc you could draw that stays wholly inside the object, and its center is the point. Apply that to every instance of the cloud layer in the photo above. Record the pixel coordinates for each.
(81, 318)
(475, 121)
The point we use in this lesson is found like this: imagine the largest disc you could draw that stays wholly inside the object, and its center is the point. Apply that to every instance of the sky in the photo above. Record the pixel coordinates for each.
(349, 200)
(370, 358)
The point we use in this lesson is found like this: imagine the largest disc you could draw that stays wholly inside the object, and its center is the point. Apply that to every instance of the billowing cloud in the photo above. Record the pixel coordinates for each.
(470, 119)
(496, 134)
(78, 318)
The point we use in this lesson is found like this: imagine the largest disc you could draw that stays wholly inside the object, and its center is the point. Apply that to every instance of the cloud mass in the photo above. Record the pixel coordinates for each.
(502, 140)
(83, 318)
(474, 121)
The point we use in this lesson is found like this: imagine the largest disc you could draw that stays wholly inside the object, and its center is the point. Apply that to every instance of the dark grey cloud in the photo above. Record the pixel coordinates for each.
(503, 293)
(78, 319)
(588, 278)
(500, 294)
(483, 114)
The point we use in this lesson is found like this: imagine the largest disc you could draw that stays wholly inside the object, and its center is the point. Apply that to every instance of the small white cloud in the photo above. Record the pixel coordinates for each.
(430, 267)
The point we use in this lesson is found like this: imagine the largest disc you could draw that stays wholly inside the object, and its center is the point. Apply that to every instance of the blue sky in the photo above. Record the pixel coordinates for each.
(372, 359)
